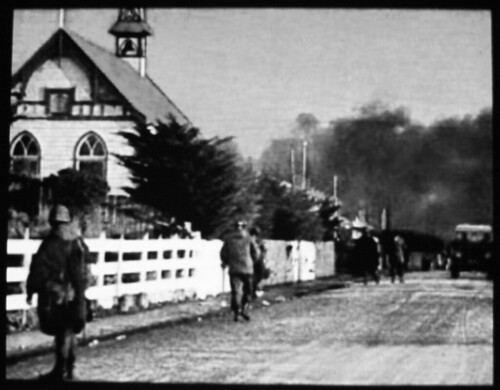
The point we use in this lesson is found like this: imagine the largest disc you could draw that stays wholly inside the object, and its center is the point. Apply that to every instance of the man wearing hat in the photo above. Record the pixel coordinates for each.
(260, 271)
(59, 276)
(366, 252)
(238, 253)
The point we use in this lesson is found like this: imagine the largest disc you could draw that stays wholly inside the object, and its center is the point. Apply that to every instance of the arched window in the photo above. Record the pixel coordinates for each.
(25, 155)
(91, 155)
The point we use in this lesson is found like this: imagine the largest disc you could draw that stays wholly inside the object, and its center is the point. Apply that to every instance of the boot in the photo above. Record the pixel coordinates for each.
(245, 315)
(70, 366)
(244, 312)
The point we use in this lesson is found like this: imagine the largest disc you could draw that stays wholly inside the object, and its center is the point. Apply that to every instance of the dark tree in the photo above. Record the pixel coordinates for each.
(24, 194)
(430, 177)
(287, 214)
(188, 178)
(81, 192)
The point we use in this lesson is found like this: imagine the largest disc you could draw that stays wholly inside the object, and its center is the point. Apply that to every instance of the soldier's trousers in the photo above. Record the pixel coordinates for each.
(241, 290)
(370, 272)
(396, 268)
(65, 349)
(258, 271)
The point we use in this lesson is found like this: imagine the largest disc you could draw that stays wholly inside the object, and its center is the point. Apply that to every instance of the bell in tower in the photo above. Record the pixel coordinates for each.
(131, 31)
(129, 48)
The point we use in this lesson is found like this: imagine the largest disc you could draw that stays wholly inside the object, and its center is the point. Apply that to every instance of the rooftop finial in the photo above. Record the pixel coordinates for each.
(61, 18)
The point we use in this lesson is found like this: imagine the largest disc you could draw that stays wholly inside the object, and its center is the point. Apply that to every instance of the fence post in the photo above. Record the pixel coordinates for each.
(118, 273)
(223, 279)
(300, 256)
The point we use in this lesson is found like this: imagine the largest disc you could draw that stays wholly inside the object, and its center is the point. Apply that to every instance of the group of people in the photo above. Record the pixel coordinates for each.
(243, 253)
(370, 252)
(60, 274)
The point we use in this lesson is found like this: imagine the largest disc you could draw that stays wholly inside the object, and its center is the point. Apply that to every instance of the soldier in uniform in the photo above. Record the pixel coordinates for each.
(366, 254)
(396, 257)
(238, 253)
(259, 269)
(457, 254)
(59, 276)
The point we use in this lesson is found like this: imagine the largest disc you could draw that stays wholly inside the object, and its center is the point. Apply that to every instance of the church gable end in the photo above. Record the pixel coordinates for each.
(60, 81)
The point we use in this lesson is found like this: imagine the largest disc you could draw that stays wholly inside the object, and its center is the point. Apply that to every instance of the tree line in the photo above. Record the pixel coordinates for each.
(429, 178)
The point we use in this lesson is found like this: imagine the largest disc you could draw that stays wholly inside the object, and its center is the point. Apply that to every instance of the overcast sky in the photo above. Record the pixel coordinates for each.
(251, 72)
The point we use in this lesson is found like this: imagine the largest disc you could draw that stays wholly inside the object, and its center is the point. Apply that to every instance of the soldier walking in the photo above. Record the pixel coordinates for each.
(238, 253)
(457, 254)
(366, 253)
(396, 247)
(59, 276)
(260, 271)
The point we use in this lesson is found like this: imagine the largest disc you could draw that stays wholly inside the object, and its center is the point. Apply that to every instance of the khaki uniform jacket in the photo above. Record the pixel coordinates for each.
(239, 252)
(62, 256)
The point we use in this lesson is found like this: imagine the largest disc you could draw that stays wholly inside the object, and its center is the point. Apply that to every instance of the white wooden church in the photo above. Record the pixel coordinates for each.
(73, 96)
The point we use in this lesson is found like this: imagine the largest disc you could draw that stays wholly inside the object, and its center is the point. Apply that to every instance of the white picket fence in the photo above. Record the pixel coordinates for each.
(163, 269)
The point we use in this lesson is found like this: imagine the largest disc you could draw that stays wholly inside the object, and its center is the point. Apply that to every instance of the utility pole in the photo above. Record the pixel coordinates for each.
(336, 215)
(385, 218)
(335, 201)
(292, 166)
(335, 189)
(304, 163)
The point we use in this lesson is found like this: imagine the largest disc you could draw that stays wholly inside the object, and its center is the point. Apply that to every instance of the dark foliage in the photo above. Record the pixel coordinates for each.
(24, 194)
(329, 215)
(286, 214)
(81, 192)
(430, 178)
(188, 178)
(420, 242)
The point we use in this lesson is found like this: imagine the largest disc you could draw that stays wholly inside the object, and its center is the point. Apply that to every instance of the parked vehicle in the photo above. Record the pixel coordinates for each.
(471, 250)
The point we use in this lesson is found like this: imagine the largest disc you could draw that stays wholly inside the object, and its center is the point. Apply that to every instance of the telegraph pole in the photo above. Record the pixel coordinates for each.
(336, 215)
(335, 189)
(304, 163)
(292, 166)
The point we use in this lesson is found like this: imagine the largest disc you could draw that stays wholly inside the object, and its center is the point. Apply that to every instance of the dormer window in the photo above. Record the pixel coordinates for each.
(59, 101)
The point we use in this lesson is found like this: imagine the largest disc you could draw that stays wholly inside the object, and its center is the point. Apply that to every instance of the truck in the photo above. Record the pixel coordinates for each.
(471, 250)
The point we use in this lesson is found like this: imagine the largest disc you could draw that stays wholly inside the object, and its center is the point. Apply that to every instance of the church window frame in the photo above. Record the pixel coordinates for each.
(91, 154)
(25, 155)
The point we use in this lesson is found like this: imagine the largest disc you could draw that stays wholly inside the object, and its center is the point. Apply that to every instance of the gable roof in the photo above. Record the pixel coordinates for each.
(140, 92)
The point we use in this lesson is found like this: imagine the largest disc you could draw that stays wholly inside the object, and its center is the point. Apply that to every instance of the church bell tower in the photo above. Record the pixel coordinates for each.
(131, 31)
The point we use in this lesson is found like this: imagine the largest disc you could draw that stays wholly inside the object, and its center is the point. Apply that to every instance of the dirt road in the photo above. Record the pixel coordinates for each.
(430, 330)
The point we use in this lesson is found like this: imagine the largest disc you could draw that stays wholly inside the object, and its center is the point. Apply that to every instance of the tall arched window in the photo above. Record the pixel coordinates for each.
(91, 155)
(25, 155)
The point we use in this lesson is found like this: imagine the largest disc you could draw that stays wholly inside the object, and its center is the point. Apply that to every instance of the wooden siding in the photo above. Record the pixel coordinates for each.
(58, 140)
(70, 74)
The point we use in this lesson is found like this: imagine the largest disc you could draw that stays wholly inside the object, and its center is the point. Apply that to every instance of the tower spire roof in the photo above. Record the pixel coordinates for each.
(61, 18)
(131, 22)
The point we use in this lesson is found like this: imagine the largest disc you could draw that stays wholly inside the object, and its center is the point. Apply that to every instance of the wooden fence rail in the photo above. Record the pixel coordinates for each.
(161, 269)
